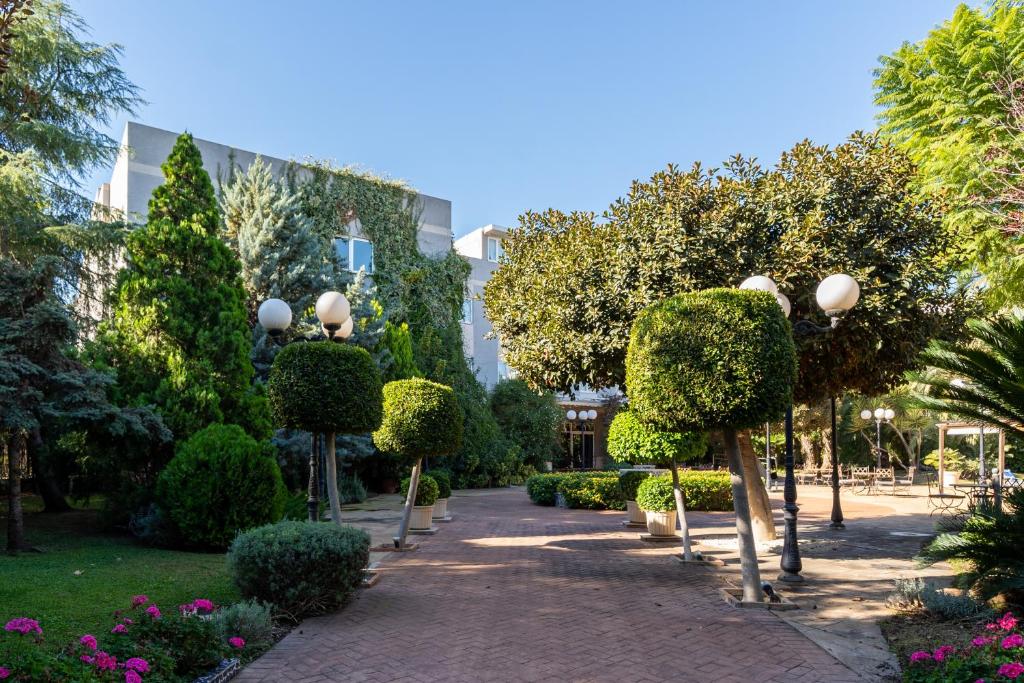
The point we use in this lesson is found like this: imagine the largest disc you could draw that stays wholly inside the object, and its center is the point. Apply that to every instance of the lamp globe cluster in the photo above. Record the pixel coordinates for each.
(835, 295)
(332, 309)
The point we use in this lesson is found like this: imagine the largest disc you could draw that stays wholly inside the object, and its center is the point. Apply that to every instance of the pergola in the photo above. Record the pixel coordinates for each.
(966, 429)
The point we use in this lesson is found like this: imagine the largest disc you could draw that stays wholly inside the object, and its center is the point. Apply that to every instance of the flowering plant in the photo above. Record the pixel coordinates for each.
(993, 656)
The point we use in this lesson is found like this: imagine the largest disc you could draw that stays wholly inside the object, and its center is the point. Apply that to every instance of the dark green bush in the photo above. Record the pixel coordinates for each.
(529, 419)
(706, 360)
(444, 482)
(325, 387)
(302, 568)
(426, 490)
(656, 494)
(421, 418)
(220, 482)
(541, 488)
(629, 481)
(632, 441)
(592, 491)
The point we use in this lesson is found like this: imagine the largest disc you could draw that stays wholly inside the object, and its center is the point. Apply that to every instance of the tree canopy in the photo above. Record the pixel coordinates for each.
(632, 441)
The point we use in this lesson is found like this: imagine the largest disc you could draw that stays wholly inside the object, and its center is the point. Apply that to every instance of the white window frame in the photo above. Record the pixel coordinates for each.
(467, 306)
(498, 249)
(350, 243)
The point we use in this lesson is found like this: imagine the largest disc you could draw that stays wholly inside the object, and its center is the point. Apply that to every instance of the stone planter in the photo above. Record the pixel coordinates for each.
(227, 670)
(636, 515)
(440, 509)
(661, 523)
(420, 518)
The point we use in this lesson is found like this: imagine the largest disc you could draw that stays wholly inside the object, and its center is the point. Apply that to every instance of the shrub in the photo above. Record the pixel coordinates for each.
(994, 654)
(707, 491)
(250, 620)
(421, 418)
(541, 488)
(592, 491)
(444, 482)
(916, 593)
(528, 419)
(630, 440)
(629, 481)
(719, 358)
(349, 403)
(296, 506)
(351, 489)
(220, 481)
(426, 490)
(302, 568)
(656, 495)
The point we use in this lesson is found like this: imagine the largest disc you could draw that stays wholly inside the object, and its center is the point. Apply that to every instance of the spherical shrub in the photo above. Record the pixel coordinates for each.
(656, 495)
(444, 482)
(421, 418)
(720, 358)
(325, 387)
(302, 568)
(630, 440)
(426, 490)
(221, 481)
(629, 481)
(541, 488)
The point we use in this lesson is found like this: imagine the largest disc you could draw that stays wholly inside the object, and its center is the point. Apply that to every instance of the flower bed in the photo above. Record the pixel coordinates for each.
(996, 654)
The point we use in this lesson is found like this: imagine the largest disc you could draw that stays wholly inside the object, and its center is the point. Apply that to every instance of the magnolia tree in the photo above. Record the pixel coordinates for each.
(632, 440)
(720, 359)
(326, 388)
(421, 419)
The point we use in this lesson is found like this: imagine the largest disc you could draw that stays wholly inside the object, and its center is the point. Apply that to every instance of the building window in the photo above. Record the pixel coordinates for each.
(503, 371)
(494, 250)
(467, 311)
(355, 253)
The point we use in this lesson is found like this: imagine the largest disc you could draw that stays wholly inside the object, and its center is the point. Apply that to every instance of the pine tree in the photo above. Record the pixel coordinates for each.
(179, 338)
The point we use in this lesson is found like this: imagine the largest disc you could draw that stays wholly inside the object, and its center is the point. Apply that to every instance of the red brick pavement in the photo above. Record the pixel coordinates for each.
(514, 592)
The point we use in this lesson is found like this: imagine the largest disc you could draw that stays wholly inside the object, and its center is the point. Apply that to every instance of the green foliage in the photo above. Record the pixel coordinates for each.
(819, 211)
(302, 568)
(325, 387)
(710, 360)
(706, 491)
(630, 440)
(250, 620)
(179, 337)
(421, 418)
(351, 489)
(916, 593)
(592, 490)
(528, 419)
(397, 341)
(630, 481)
(220, 482)
(444, 482)
(656, 495)
(989, 544)
(427, 490)
(541, 488)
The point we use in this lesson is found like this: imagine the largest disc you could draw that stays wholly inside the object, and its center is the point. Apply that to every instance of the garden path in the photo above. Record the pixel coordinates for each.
(510, 591)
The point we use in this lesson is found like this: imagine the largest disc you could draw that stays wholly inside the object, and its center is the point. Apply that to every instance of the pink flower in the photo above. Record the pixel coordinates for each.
(237, 642)
(87, 659)
(137, 664)
(88, 641)
(105, 662)
(1011, 669)
(139, 600)
(1007, 622)
(153, 611)
(128, 622)
(980, 680)
(132, 677)
(23, 625)
(1012, 641)
(991, 627)
(982, 641)
(120, 628)
(940, 654)
(202, 605)
(920, 656)
(4, 673)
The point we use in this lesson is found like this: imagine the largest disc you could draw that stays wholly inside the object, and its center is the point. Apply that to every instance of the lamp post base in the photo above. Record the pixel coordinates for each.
(792, 579)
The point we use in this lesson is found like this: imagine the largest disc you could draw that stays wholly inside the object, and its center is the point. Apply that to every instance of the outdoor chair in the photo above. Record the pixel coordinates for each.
(885, 478)
(861, 479)
(947, 504)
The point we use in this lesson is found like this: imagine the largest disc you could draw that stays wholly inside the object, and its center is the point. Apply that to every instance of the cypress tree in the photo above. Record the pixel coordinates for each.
(179, 338)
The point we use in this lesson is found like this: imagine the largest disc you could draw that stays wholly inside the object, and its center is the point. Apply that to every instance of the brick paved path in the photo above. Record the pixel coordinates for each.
(514, 592)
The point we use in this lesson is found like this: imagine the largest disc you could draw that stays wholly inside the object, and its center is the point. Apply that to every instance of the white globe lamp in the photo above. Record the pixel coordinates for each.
(345, 331)
(784, 304)
(865, 414)
(889, 413)
(592, 414)
(275, 316)
(837, 294)
(332, 309)
(570, 415)
(761, 282)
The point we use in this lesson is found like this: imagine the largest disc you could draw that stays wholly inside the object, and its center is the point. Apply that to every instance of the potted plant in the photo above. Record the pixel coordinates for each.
(444, 485)
(628, 483)
(423, 506)
(656, 497)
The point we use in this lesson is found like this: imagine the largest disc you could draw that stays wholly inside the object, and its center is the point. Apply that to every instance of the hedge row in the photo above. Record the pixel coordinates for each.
(703, 490)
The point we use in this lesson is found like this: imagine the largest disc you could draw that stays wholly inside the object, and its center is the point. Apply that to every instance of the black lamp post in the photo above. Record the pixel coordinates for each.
(836, 295)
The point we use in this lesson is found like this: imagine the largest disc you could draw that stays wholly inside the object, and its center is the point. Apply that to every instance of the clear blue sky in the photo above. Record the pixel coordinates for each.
(502, 107)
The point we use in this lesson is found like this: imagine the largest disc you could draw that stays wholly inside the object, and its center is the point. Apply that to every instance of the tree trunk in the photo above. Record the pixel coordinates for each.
(808, 451)
(757, 494)
(744, 535)
(684, 529)
(410, 500)
(332, 479)
(46, 484)
(15, 515)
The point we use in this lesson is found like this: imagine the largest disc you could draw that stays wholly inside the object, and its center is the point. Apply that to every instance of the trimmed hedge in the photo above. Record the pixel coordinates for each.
(302, 568)
(325, 387)
(706, 491)
(632, 441)
(220, 482)
(703, 490)
(592, 491)
(421, 418)
(426, 491)
(444, 482)
(656, 494)
(541, 488)
(719, 358)
(629, 481)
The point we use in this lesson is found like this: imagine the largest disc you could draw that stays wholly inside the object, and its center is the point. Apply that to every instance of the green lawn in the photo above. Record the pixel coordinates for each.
(85, 574)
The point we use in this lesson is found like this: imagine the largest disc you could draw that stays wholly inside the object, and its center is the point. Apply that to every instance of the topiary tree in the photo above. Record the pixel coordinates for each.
(326, 388)
(421, 418)
(630, 481)
(427, 490)
(220, 482)
(717, 359)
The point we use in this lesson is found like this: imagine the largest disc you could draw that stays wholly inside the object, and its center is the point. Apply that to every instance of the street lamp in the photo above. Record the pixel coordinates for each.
(571, 416)
(333, 311)
(836, 295)
(879, 415)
